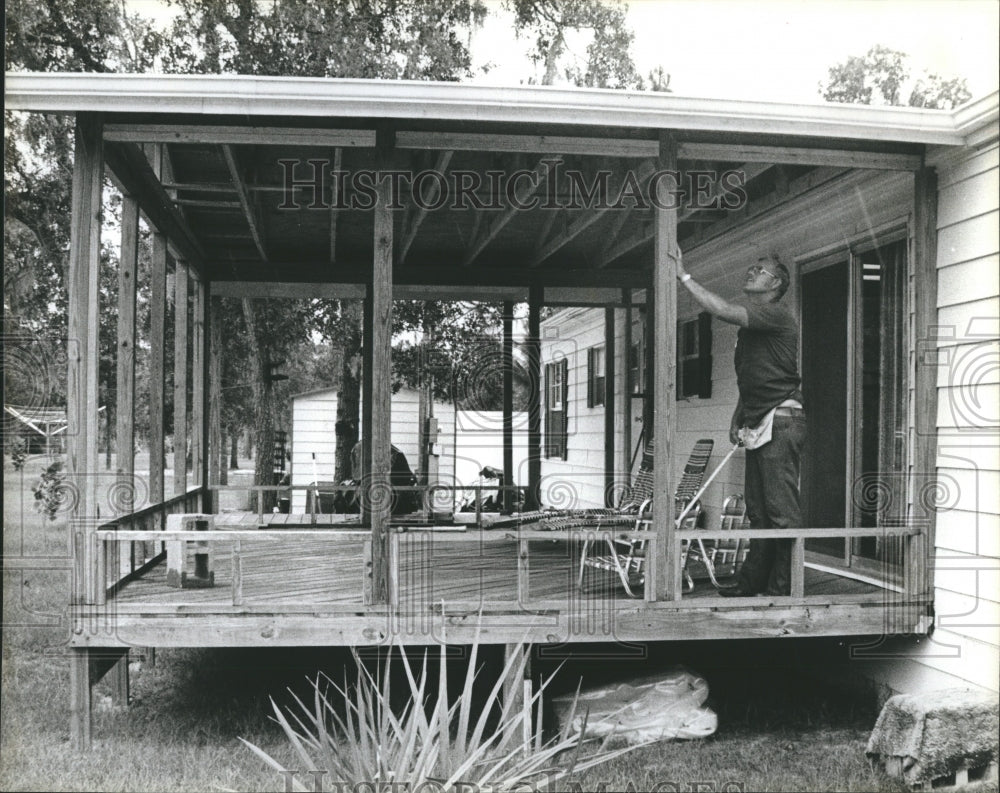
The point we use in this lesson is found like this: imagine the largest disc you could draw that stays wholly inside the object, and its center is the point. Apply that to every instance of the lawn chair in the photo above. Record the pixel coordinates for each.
(626, 557)
(721, 558)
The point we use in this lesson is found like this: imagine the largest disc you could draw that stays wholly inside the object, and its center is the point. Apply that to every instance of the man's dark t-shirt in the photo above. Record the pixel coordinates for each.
(767, 358)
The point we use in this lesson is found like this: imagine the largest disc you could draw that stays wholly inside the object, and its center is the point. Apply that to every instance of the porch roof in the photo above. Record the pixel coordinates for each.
(400, 99)
(208, 158)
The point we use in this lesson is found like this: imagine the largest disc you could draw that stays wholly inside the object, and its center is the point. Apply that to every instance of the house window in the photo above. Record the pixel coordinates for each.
(636, 364)
(694, 357)
(596, 379)
(556, 395)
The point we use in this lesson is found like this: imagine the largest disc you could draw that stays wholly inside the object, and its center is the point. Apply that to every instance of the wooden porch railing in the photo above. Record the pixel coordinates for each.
(108, 539)
(132, 558)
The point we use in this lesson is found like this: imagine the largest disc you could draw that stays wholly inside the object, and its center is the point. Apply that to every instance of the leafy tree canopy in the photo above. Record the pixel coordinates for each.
(882, 77)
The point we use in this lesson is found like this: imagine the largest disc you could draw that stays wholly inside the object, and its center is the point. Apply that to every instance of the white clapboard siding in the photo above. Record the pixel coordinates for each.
(478, 442)
(967, 556)
(314, 418)
(313, 441)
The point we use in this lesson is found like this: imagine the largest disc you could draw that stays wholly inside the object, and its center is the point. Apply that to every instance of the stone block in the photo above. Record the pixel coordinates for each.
(924, 737)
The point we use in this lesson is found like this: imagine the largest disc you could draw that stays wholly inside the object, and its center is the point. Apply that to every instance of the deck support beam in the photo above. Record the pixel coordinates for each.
(80, 719)
(180, 376)
(377, 385)
(508, 405)
(517, 693)
(664, 365)
(534, 351)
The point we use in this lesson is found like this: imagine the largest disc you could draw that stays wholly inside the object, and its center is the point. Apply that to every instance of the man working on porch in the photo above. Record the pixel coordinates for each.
(769, 420)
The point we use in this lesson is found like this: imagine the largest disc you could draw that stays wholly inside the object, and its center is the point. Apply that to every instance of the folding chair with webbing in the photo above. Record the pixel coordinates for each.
(626, 557)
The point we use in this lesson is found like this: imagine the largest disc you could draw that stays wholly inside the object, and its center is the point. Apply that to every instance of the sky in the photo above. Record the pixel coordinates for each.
(779, 50)
(768, 50)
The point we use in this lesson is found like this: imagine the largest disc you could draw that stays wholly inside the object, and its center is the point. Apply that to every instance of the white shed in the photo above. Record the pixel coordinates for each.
(314, 441)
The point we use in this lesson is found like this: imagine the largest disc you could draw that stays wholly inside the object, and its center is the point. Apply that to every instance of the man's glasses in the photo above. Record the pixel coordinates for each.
(757, 269)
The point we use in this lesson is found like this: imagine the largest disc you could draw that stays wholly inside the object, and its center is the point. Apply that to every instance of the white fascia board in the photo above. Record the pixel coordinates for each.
(978, 121)
(311, 97)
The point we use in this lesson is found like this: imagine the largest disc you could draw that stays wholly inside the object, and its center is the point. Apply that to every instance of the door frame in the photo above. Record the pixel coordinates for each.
(853, 252)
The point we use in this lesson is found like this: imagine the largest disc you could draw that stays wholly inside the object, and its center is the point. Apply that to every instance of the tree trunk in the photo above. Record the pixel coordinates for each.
(349, 398)
(107, 437)
(234, 463)
(223, 469)
(263, 418)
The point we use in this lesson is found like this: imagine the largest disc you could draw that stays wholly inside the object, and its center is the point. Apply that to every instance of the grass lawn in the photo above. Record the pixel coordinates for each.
(779, 729)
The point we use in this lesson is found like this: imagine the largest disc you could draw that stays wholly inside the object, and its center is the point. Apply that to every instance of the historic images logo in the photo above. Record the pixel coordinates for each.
(548, 186)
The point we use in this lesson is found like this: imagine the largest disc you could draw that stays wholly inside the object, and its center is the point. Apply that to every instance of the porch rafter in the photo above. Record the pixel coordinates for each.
(249, 211)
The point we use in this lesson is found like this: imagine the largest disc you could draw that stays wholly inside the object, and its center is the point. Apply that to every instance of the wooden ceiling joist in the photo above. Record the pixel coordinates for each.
(493, 225)
(335, 188)
(734, 152)
(232, 135)
(584, 222)
(356, 271)
(204, 203)
(418, 212)
(526, 144)
(244, 202)
(750, 171)
(136, 178)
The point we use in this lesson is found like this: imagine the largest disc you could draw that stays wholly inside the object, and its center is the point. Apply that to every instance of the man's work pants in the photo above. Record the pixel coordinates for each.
(772, 497)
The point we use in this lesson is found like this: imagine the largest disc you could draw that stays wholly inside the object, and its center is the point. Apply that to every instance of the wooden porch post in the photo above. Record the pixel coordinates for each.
(664, 325)
(214, 430)
(198, 358)
(508, 404)
(610, 436)
(627, 382)
(125, 408)
(157, 386)
(180, 375)
(82, 352)
(534, 350)
(378, 385)
(919, 569)
(81, 388)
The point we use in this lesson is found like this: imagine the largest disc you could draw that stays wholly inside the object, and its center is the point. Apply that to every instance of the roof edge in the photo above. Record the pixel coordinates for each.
(56, 92)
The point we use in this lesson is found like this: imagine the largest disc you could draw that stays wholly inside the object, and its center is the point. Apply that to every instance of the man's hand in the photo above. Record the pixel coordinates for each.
(734, 434)
(676, 257)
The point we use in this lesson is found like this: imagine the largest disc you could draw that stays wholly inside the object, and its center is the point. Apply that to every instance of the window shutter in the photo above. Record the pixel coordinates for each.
(565, 408)
(547, 442)
(590, 377)
(705, 355)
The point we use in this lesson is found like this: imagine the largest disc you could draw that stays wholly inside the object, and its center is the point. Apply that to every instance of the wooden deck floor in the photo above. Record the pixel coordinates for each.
(433, 567)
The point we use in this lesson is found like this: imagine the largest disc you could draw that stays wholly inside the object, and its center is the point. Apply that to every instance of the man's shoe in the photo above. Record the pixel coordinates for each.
(735, 591)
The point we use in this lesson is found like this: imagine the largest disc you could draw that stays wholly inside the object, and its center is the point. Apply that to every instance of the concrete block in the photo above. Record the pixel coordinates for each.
(200, 573)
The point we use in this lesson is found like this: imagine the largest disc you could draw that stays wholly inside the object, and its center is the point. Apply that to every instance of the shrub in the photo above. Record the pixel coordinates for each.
(445, 746)
(50, 490)
(18, 453)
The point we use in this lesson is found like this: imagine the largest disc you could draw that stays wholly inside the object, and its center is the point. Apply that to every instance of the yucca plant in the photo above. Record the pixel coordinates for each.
(449, 745)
